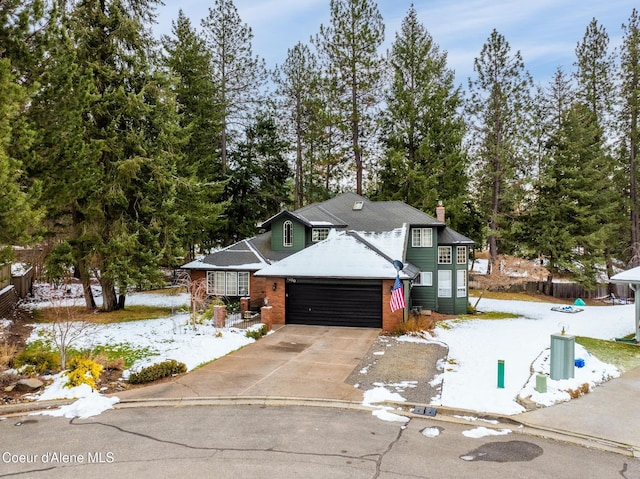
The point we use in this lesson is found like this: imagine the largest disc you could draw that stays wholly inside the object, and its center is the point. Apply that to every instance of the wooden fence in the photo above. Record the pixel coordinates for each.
(565, 290)
(23, 283)
(8, 300)
(5, 275)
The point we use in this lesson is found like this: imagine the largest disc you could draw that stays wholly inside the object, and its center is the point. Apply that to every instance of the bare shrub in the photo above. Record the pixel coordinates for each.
(7, 353)
(416, 324)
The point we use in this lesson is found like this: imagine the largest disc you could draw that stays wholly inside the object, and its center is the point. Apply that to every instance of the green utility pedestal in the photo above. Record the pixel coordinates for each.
(562, 356)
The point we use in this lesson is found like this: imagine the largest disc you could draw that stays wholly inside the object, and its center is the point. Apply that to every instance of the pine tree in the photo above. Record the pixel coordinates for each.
(107, 135)
(630, 130)
(350, 44)
(18, 214)
(564, 229)
(499, 107)
(423, 130)
(199, 167)
(298, 81)
(238, 75)
(258, 184)
(595, 88)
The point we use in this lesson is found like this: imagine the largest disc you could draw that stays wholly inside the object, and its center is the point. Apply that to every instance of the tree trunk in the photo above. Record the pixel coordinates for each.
(85, 279)
(109, 299)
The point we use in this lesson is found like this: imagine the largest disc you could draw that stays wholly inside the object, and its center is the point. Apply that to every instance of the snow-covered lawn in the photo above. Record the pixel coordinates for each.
(469, 377)
(469, 380)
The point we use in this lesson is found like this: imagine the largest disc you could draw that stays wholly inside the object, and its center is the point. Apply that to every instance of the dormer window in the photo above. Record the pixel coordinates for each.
(319, 234)
(287, 233)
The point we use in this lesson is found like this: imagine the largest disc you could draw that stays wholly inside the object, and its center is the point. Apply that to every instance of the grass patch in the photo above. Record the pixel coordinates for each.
(80, 313)
(490, 315)
(622, 355)
(124, 351)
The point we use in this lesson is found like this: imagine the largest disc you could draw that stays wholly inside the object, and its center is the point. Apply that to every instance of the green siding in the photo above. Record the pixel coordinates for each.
(425, 259)
(277, 236)
(427, 296)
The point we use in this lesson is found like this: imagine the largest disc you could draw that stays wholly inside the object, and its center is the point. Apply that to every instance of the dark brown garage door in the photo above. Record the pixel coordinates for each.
(354, 305)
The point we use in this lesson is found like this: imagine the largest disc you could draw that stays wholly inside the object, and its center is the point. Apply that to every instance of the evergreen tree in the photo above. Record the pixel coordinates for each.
(107, 135)
(237, 74)
(596, 89)
(563, 226)
(499, 107)
(18, 214)
(258, 185)
(628, 120)
(199, 167)
(350, 44)
(423, 130)
(298, 82)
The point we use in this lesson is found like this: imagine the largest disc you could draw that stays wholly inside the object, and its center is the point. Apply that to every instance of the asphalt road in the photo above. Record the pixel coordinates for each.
(267, 442)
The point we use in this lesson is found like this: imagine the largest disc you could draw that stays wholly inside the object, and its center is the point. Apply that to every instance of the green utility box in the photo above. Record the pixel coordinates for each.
(562, 356)
(541, 383)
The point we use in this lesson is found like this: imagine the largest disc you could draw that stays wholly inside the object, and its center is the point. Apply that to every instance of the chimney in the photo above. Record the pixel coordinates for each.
(440, 212)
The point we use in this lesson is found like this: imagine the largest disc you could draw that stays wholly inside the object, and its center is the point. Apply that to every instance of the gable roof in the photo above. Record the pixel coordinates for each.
(342, 255)
(375, 216)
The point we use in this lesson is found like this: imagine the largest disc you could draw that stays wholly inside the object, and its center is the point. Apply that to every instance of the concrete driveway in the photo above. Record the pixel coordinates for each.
(294, 361)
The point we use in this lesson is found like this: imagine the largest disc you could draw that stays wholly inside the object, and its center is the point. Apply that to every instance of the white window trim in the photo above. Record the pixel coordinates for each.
(316, 232)
(449, 254)
(424, 238)
(287, 225)
(424, 279)
(228, 283)
(444, 283)
(461, 258)
(461, 283)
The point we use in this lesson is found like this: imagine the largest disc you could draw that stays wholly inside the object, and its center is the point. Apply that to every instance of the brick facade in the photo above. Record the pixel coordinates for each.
(389, 320)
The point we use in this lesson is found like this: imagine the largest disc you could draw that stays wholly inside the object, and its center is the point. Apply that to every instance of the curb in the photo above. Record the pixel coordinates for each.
(445, 414)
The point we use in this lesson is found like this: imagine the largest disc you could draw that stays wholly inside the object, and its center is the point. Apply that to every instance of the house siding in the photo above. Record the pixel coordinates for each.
(299, 236)
(426, 260)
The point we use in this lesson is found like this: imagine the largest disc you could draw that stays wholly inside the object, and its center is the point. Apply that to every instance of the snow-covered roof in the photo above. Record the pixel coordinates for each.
(239, 256)
(630, 276)
(341, 255)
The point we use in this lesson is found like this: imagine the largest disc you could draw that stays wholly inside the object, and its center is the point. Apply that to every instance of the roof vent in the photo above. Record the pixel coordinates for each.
(357, 205)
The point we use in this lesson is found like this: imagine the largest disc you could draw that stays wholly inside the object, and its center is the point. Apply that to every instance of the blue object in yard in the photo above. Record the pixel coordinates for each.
(579, 363)
(579, 302)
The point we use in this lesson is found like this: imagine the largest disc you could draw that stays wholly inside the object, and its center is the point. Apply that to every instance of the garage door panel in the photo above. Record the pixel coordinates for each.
(334, 305)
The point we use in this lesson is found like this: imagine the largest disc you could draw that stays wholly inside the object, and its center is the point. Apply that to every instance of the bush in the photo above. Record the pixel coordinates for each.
(83, 371)
(257, 333)
(39, 356)
(7, 352)
(414, 325)
(157, 371)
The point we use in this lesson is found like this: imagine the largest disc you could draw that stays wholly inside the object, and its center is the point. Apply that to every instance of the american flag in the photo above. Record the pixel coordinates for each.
(397, 296)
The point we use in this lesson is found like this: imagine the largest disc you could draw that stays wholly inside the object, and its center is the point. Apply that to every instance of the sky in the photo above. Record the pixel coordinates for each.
(475, 347)
(546, 32)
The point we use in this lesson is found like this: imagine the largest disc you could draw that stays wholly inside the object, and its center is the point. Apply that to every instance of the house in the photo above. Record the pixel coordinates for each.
(335, 263)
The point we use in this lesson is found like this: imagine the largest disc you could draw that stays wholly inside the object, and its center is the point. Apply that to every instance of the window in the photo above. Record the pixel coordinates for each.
(461, 255)
(444, 254)
(228, 283)
(243, 284)
(319, 234)
(232, 283)
(444, 284)
(461, 286)
(421, 237)
(425, 279)
(287, 233)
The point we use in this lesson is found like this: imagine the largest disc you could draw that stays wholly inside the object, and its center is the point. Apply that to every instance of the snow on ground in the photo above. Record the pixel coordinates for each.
(166, 338)
(476, 346)
(469, 378)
